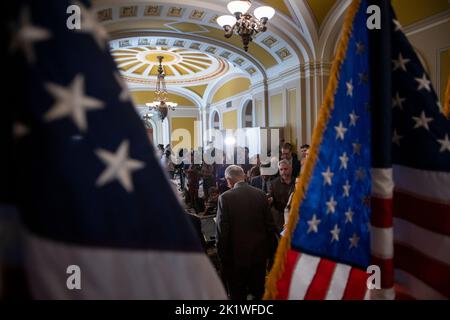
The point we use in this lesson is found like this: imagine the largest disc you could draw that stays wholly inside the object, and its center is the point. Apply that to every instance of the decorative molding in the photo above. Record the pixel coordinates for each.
(128, 12)
(152, 11)
(104, 15)
(315, 69)
(175, 12)
(197, 15)
(427, 23)
(203, 14)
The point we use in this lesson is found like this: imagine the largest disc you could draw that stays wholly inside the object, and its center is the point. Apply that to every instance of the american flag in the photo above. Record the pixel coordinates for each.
(378, 189)
(411, 182)
(84, 175)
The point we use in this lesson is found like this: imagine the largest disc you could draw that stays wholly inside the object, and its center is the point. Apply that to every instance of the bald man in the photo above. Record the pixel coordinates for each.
(245, 236)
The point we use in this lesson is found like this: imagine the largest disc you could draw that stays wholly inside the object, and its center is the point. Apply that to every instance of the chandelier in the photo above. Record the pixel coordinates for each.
(161, 105)
(243, 23)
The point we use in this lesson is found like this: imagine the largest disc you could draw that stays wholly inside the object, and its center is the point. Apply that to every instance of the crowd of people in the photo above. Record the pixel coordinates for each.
(250, 202)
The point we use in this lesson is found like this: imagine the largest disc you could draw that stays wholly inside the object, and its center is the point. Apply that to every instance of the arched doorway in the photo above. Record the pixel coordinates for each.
(215, 120)
(151, 128)
(247, 115)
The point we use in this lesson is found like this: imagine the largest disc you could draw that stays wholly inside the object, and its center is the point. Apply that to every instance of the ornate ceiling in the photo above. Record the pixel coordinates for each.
(196, 21)
(185, 61)
(139, 64)
(197, 53)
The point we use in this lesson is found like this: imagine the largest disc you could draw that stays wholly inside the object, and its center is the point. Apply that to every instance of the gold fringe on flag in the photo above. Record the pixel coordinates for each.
(446, 107)
(302, 183)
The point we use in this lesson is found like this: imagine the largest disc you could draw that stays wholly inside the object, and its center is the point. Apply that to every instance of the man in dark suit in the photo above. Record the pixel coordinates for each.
(245, 236)
(288, 154)
(268, 170)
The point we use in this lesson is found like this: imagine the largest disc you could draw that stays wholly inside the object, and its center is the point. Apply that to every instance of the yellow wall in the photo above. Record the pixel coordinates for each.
(230, 120)
(411, 11)
(142, 97)
(259, 113)
(255, 50)
(292, 116)
(320, 9)
(199, 90)
(184, 123)
(408, 11)
(279, 5)
(231, 88)
(444, 73)
(276, 110)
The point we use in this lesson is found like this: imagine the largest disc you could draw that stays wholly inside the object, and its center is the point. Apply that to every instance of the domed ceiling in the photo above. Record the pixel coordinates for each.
(196, 52)
(139, 64)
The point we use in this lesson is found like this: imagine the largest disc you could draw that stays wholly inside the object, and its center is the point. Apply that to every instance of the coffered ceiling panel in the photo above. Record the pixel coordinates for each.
(186, 62)
(198, 22)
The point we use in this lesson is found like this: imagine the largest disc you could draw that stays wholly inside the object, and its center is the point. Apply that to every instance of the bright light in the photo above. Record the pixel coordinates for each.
(229, 141)
(226, 21)
(264, 12)
(239, 6)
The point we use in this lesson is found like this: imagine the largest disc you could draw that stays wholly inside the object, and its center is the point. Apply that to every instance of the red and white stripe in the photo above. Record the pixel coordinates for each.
(411, 232)
(311, 278)
(422, 232)
(382, 234)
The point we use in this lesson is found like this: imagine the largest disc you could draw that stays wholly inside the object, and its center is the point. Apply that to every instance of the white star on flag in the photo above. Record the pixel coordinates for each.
(398, 26)
(89, 24)
(344, 161)
(71, 102)
(396, 138)
(422, 121)
(397, 101)
(125, 93)
(424, 83)
(335, 233)
(353, 119)
(313, 225)
(354, 241)
(360, 48)
(331, 206)
(445, 144)
(357, 148)
(363, 78)
(349, 85)
(27, 34)
(360, 174)
(119, 166)
(400, 63)
(340, 131)
(20, 130)
(327, 177)
(346, 188)
(349, 216)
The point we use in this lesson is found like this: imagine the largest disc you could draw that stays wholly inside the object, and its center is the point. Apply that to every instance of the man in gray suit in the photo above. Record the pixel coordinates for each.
(245, 236)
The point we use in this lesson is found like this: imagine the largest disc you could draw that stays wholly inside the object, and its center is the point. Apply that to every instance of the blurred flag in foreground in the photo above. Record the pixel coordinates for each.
(88, 185)
(375, 190)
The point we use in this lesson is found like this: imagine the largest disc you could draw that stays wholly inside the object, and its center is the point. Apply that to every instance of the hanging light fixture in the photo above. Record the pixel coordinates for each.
(243, 23)
(161, 105)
